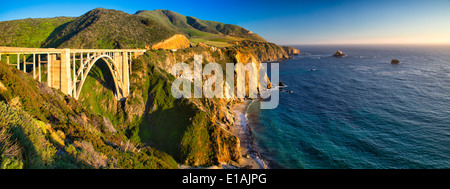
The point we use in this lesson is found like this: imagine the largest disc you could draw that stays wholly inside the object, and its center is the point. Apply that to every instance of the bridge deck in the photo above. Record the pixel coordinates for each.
(15, 50)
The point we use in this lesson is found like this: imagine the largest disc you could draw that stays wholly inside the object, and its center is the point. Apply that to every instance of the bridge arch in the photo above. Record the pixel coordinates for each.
(113, 68)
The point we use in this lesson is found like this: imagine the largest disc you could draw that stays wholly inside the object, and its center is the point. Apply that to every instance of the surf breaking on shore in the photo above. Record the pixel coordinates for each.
(250, 156)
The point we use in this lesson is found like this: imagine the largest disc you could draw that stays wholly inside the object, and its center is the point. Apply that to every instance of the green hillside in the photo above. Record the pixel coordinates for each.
(109, 29)
(41, 128)
(105, 28)
(210, 32)
(30, 32)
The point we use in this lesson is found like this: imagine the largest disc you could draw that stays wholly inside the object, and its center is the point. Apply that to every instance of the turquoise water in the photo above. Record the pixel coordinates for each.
(359, 111)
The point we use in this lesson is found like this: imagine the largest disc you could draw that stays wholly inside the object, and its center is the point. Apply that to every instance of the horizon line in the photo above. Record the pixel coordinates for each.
(429, 44)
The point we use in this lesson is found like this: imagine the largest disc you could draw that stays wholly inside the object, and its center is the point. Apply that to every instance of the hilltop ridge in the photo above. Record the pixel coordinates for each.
(106, 28)
(210, 32)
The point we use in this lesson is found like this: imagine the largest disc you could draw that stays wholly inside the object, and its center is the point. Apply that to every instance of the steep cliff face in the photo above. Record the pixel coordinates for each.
(291, 50)
(201, 134)
(177, 41)
(191, 130)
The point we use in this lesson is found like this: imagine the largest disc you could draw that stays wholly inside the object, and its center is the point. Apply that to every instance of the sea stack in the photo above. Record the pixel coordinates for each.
(339, 54)
(395, 61)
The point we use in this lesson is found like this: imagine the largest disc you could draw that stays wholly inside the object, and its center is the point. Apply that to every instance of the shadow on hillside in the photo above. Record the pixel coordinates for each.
(56, 43)
(33, 159)
(164, 129)
(100, 71)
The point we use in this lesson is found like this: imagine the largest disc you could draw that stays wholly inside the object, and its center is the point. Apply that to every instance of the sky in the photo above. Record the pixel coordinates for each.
(283, 21)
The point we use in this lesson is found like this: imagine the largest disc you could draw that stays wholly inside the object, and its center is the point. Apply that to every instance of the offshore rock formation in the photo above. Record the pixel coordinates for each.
(177, 41)
(395, 61)
(339, 54)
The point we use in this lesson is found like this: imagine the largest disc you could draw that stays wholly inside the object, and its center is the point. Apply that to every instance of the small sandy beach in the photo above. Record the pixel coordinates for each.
(249, 158)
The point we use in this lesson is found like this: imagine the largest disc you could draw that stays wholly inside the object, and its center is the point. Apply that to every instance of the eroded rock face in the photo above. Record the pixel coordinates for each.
(227, 147)
(177, 41)
(339, 54)
(291, 50)
(264, 51)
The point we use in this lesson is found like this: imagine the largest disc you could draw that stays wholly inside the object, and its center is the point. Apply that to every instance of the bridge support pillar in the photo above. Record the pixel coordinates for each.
(125, 78)
(60, 72)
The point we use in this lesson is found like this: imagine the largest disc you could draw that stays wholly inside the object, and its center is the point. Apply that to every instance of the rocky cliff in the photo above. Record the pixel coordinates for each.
(262, 51)
(201, 134)
(291, 50)
(177, 41)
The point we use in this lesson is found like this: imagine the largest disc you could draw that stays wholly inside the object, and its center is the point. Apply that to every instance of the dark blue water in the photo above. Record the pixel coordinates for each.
(359, 111)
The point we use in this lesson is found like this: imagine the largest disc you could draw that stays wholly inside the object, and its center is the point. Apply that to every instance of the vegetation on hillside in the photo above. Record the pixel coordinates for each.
(109, 29)
(41, 128)
(194, 137)
(30, 32)
(209, 32)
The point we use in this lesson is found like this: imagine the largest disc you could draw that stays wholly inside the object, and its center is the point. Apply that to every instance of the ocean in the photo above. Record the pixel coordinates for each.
(359, 111)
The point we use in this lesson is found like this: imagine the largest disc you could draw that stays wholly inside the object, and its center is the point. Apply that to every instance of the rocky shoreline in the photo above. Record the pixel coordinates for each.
(250, 157)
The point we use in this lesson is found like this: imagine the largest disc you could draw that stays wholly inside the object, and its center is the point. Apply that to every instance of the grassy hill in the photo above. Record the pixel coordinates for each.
(30, 32)
(209, 32)
(42, 128)
(105, 28)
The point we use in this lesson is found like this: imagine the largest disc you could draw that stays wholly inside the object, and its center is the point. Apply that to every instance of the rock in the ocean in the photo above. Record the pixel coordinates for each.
(395, 61)
(339, 54)
(281, 84)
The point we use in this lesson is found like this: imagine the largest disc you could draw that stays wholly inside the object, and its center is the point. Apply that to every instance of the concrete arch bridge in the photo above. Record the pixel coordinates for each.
(67, 69)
